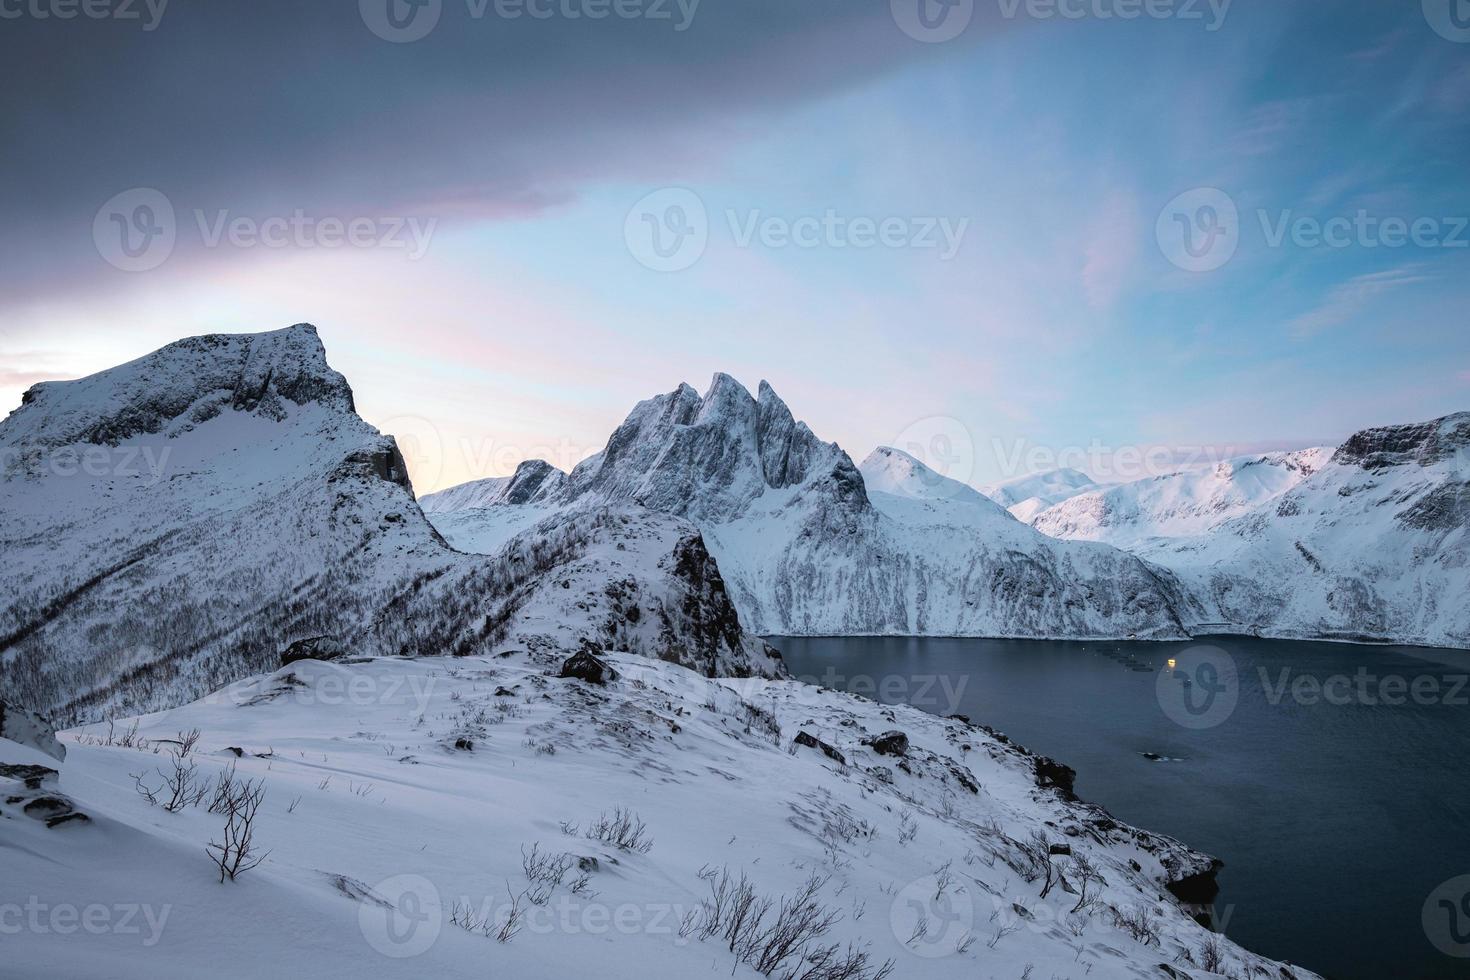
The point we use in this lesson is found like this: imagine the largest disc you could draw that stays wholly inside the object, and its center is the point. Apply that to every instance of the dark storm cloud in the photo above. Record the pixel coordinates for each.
(273, 105)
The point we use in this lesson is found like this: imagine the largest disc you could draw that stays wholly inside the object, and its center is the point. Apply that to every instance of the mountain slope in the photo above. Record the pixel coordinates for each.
(177, 521)
(804, 545)
(1367, 542)
(427, 789)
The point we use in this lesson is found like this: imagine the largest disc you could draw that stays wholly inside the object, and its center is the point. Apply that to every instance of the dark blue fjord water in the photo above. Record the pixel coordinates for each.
(1330, 778)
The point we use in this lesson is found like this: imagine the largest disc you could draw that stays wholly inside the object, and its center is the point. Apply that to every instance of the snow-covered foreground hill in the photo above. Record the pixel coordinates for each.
(811, 545)
(1370, 541)
(177, 522)
(448, 817)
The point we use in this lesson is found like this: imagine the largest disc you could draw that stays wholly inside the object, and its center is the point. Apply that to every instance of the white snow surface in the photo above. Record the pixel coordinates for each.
(375, 828)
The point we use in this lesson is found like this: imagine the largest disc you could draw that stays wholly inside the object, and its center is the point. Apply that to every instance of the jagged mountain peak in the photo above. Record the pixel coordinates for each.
(181, 385)
(707, 456)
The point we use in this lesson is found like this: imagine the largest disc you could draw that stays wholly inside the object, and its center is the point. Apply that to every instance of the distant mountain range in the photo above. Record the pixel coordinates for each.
(1367, 541)
(810, 543)
(174, 523)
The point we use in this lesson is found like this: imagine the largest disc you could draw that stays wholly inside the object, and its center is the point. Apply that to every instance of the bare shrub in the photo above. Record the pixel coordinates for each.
(1139, 922)
(1086, 874)
(778, 939)
(1212, 954)
(181, 786)
(622, 829)
(544, 871)
(236, 853)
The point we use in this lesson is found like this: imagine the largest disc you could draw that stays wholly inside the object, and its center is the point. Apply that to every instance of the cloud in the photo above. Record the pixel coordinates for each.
(266, 107)
(1347, 299)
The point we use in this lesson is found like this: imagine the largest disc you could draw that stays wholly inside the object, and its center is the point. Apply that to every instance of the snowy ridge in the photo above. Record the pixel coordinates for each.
(1367, 542)
(400, 794)
(807, 549)
(1178, 504)
(178, 521)
(1027, 496)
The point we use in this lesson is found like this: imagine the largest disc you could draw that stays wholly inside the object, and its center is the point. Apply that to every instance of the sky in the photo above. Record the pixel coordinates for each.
(1003, 235)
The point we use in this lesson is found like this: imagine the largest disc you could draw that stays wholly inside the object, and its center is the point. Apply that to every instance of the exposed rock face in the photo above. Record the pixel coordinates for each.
(1422, 444)
(234, 504)
(534, 480)
(806, 545)
(31, 730)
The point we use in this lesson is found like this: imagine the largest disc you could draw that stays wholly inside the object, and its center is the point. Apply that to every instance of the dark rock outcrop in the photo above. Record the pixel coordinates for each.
(1051, 774)
(812, 742)
(587, 666)
(889, 743)
(313, 648)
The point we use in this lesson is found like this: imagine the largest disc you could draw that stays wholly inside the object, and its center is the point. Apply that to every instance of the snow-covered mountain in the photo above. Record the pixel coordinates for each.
(181, 520)
(1027, 496)
(808, 546)
(1178, 504)
(1370, 541)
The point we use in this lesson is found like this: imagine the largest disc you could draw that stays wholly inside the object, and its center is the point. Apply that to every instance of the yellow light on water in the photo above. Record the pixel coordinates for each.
(1171, 663)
